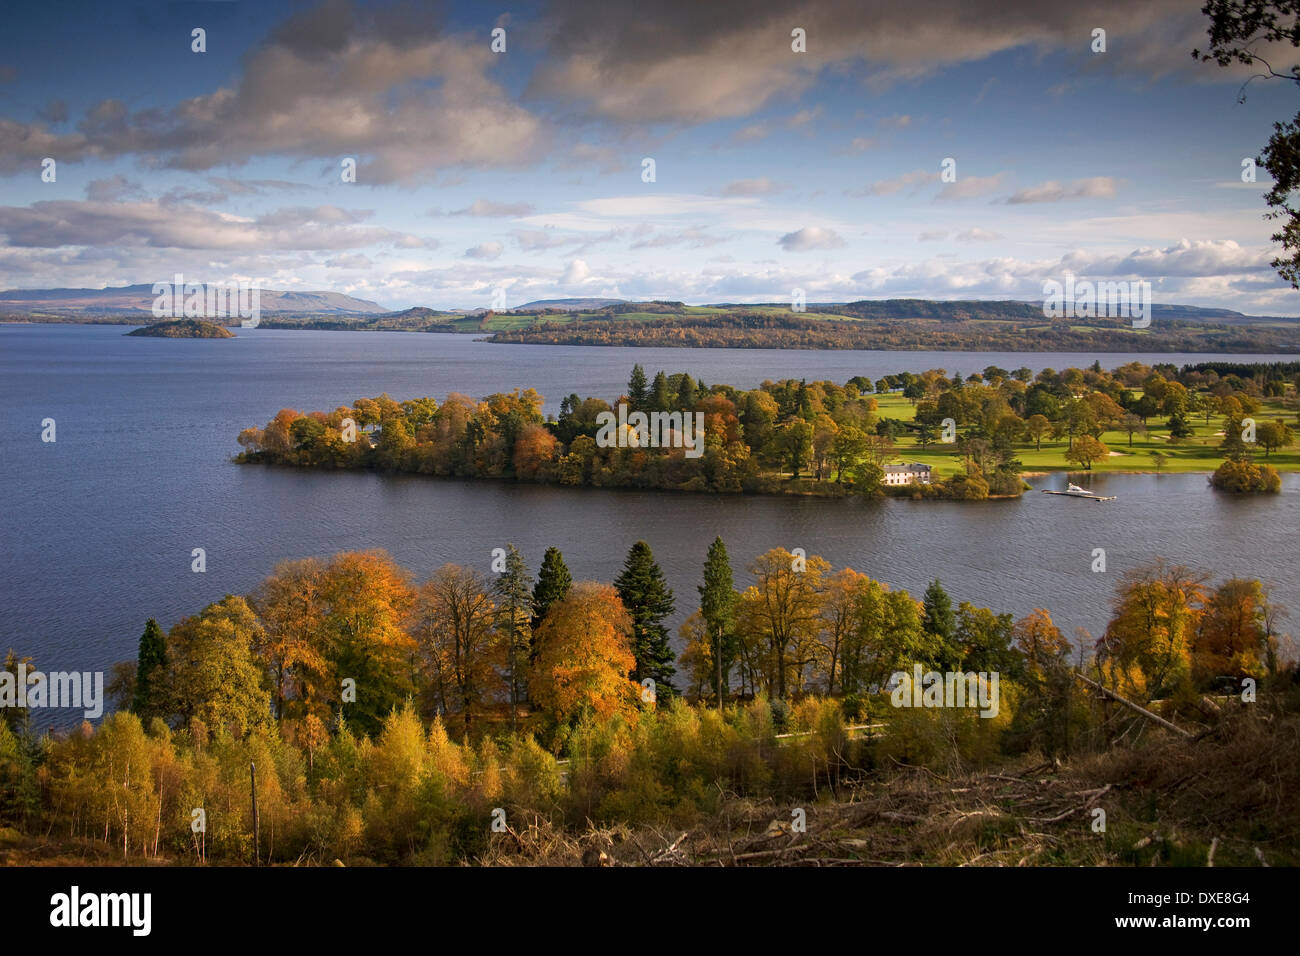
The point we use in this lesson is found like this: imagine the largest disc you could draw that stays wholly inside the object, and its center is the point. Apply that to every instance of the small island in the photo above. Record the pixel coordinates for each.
(184, 329)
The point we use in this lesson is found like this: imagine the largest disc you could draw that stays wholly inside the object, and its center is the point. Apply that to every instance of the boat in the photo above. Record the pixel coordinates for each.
(1074, 491)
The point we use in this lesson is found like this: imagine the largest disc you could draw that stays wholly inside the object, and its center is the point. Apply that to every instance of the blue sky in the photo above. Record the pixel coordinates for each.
(522, 170)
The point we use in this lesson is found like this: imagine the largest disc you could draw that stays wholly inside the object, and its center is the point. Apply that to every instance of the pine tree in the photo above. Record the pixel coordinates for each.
(940, 622)
(553, 583)
(686, 394)
(718, 608)
(514, 613)
(649, 600)
(661, 398)
(636, 389)
(151, 665)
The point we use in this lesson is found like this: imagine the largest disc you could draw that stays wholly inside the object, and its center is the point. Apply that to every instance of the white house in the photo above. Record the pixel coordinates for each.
(915, 473)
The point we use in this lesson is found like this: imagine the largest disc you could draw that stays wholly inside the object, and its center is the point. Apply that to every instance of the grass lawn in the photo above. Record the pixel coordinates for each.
(1197, 453)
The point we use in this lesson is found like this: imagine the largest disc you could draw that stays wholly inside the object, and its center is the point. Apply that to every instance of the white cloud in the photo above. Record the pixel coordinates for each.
(810, 238)
(1095, 187)
(761, 186)
(970, 187)
(888, 187)
(485, 250)
(576, 273)
(488, 207)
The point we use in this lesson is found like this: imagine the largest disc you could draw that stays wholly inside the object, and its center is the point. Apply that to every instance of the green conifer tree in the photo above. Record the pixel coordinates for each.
(718, 608)
(649, 601)
(151, 666)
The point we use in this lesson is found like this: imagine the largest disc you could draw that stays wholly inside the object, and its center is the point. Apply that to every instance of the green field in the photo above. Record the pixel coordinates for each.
(1197, 453)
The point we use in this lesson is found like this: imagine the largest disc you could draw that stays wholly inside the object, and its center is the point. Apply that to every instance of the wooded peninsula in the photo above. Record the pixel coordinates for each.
(922, 436)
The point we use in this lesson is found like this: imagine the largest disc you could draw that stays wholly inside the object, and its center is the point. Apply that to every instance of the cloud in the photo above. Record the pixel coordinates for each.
(1214, 257)
(810, 238)
(887, 187)
(976, 234)
(252, 187)
(748, 134)
(486, 250)
(539, 240)
(606, 159)
(804, 117)
(576, 273)
(696, 238)
(55, 111)
(350, 261)
(696, 62)
(653, 205)
(152, 223)
(970, 187)
(933, 235)
(113, 189)
(898, 121)
(753, 187)
(487, 207)
(402, 98)
(1095, 187)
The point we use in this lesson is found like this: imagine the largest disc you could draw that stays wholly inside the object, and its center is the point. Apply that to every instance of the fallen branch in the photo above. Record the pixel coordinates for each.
(1134, 707)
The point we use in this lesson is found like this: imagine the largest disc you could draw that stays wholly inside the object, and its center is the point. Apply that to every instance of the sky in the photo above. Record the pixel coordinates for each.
(525, 169)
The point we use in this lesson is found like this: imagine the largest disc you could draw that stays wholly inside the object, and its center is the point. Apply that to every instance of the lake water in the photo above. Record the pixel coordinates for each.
(98, 527)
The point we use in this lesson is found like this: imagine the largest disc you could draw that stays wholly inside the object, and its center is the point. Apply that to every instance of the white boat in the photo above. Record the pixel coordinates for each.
(1074, 491)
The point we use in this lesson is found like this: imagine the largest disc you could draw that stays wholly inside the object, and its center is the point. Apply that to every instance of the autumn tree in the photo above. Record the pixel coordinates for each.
(584, 656)
(534, 453)
(1086, 450)
(213, 675)
(782, 612)
(369, 598)
(841, 619)
(649, 601)
(1147, 643)
(1036, 426)
(455, 629)
(696, 659)
(1042, 717)
(292, 609)
(1232, 635)
(1273, 435)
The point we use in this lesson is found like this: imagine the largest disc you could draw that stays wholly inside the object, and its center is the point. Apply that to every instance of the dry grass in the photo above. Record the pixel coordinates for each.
(1227, 799)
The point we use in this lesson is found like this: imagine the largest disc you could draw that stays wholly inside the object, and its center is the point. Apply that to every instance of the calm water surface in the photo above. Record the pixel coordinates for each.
(97, 528)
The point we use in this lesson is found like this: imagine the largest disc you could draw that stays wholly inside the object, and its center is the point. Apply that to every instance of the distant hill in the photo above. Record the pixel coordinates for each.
(1012, 309)
(184, 329)
(140, 298)
(582, 305)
